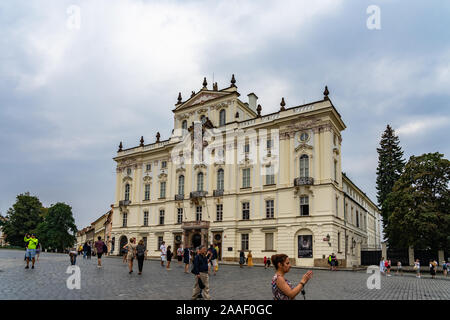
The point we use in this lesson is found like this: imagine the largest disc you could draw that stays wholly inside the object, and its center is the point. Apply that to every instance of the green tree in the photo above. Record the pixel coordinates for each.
(58, 229)
(420, 204)
(390, 167)
(22, 218)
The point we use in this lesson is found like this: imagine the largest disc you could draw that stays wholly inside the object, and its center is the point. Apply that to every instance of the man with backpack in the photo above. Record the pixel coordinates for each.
(99, 245)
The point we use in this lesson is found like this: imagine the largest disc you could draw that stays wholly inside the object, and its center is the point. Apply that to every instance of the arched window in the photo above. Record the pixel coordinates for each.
(220, 179)
(304, 166)
(200, 182)
(184, 125)
(222, 117)
(127, 192)
(181, 185)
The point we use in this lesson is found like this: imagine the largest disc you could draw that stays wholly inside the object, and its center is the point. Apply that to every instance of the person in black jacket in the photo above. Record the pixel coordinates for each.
(200, 270)
(169, 256)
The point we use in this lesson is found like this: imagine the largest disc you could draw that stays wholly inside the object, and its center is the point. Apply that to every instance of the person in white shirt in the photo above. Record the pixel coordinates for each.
(163, 253)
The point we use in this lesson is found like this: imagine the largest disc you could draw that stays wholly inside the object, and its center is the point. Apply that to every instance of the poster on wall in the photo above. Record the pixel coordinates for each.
(305, 246)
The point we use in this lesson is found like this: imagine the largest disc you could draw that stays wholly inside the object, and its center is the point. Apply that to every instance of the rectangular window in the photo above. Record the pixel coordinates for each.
(179, 215)
(163, 164)
(335, 170)
(269, 144)
(337, 207)
(304, 206)
(148, 167)
(269, 241)
(198, 212)
(244, 241)
(147, 192)
(246, 148)
(269, 209)
(339, 242)
(124, 219)
(246, 178)
(245, 210)
(160, 241)
(357, 218)
(145, 218)
(163, 190)
(345, 211)
(161, 216)
(270, 176)
(219, 212)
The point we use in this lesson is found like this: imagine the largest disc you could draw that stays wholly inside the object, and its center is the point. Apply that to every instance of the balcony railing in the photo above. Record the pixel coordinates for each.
(123, 203)
(198, 194)
(218, 193)
(179, 197)
(303, 181)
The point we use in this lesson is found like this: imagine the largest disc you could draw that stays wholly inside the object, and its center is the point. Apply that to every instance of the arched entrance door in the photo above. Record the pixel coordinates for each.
(196, 240)
(123, 241)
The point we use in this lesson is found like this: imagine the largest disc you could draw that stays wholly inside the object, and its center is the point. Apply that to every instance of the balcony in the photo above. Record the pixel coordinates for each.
(179, 197)
(124, 203)
(198, 194)
(303, 181)
(218, 193)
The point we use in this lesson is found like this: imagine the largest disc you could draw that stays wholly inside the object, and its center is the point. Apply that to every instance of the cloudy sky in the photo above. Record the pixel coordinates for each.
(68, 95)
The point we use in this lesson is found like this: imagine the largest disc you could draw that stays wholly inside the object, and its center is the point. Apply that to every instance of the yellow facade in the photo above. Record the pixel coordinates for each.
(272, 196)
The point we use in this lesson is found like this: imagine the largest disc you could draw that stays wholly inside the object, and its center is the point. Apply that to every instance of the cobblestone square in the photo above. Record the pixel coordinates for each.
(48, 281)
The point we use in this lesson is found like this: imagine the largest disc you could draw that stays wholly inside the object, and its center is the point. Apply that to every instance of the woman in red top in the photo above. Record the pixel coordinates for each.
(387, 265)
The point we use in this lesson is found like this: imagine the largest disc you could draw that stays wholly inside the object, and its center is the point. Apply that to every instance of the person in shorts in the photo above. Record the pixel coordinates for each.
(180, 254)
(31, 249)
(163, 253)
(399, 268)
(417, 268)
(99, 247)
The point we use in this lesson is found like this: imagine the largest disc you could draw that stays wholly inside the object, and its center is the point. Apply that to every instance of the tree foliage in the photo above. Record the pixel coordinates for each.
(24, 217)
(419, 204)
(58, 229)
(390, 167)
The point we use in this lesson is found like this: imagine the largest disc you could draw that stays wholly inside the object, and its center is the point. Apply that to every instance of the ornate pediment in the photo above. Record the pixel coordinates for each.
(201, 97)
(127, 179)
(147, 178)
(303, 147)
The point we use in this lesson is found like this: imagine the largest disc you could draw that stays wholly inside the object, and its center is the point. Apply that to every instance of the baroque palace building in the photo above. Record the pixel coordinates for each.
(245, 181)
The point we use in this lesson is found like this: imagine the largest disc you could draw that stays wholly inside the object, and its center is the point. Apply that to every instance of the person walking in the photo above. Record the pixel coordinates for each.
(283, 289)
(131, 253)
(163, 250)
(180, 254)
(241, 258)
(141, 254)
(99, 248)
(200, 270)
(217, 260)
(265, 262)
(38, 251)
(444, 268)
(433, 269)
(186, 259)
(31, 249)
(382, 265)
(417, 268)
(80, 250)
(212, 258)
(387, 266)
(89, 251)
(399, 268)
(250, 259)
(268, 262)
(169, 257)
(125, 254)
(73, 255)
(84, 250)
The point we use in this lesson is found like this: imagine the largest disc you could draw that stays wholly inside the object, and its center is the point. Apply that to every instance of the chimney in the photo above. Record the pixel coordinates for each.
(252, 99)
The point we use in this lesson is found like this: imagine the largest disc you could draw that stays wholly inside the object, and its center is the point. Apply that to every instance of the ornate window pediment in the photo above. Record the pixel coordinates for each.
(127, 179)
(162, 176)
(147, 178)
